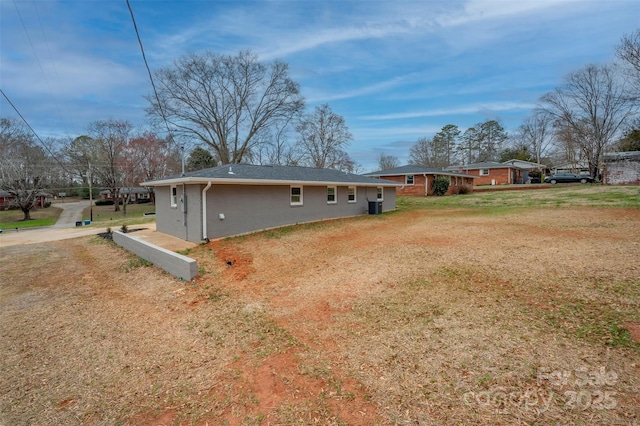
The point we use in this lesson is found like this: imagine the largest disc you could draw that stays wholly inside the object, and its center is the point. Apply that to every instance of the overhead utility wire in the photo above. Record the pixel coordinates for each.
(144, 58)
(44, 145)
(23, 119)
(35, 54)
(53, 63)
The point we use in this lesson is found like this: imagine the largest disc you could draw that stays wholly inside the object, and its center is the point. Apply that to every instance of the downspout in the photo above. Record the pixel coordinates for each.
(204, 211)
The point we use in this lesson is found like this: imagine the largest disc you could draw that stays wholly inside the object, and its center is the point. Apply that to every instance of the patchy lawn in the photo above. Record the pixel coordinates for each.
(106, 216)
(447, 311)
(11, 219)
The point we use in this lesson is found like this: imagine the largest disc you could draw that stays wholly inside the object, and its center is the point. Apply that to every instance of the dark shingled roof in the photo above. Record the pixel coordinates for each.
(248, 173)
(416, 170)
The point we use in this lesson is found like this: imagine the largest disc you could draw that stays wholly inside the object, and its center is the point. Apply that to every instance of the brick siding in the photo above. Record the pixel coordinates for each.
(420, 182)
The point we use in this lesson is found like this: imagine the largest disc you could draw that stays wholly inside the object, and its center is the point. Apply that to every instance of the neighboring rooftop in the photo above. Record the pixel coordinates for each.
(621, 156)
(416, 170)
(483, 165)
(272, 174)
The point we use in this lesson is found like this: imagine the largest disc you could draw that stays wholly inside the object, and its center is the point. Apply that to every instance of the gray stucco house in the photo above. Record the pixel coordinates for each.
(240, 198)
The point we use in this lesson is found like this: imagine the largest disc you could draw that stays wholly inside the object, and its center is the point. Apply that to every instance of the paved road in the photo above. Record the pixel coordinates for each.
(64, 228)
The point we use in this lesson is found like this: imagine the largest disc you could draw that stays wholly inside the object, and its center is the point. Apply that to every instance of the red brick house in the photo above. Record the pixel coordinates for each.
(418, 180)
(7, 200)
(494, 173)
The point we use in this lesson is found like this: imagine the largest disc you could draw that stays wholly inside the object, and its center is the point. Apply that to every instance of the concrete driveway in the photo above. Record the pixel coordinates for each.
(71, 213)
(65, 228)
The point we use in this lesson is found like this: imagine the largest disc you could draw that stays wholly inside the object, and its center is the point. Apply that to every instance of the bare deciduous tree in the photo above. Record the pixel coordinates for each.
(536, 132)
(273, 147)
(569, 148)
(23, 166)
(420, 153)
(224, 101)
(592, 106)
(106, 147)
(629, 51)
(386, 162)
(323, 135)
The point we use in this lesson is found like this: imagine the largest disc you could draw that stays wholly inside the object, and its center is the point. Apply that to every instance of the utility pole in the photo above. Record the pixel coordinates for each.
(90, 194)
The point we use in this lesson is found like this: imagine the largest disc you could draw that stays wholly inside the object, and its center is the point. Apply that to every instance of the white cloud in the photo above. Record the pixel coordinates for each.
(289, 45)
(462, 110)
(482, 10)
(359, 91)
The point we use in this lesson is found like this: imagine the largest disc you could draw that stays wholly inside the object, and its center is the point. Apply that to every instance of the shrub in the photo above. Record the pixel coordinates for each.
(104, 202)
(464, 189)
(440, 186)
(143, 200)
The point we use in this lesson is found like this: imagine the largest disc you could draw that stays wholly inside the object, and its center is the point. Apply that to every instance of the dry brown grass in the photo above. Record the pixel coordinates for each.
(418, 317)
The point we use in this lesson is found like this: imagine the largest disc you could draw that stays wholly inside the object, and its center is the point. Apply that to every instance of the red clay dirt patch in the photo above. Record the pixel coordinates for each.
(166, 418)
(634, 330)
(265, 387)
(238, 263)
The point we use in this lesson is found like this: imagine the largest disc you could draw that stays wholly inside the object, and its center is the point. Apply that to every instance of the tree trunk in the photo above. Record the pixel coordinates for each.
(27, 214)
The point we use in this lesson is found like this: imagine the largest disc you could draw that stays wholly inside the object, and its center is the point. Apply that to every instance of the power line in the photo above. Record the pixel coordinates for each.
(35, 53)
(144, 58)
(23, 119)
(53, 65)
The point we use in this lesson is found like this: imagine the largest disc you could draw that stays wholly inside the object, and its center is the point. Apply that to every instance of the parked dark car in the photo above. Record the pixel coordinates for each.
(567, 177)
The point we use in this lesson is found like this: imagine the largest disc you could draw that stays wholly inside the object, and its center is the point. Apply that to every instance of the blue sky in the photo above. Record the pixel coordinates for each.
(395, 70)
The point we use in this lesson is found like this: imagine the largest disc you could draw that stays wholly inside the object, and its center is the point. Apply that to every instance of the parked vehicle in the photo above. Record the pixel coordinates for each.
(567, 177)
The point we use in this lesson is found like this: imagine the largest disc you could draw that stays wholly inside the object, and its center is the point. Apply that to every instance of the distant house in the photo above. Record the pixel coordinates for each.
(136, 194)
(494, 173)
(7, 200)
(418, 180)
(241, 198)
(528, 165)
(621, 168)
(42, 199)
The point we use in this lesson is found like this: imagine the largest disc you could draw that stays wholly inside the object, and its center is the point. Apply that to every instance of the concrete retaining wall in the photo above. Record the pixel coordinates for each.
(176, 264)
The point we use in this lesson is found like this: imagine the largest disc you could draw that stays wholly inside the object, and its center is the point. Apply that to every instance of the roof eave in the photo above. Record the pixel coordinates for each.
(236, 181)
(443, 173)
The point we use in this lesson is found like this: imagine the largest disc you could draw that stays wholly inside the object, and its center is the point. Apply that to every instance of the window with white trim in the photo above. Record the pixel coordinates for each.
(332, 195)
(380, 194)
(408, 180)
(296, 195)
(352, 194)
(174, 196)
(484, 172)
